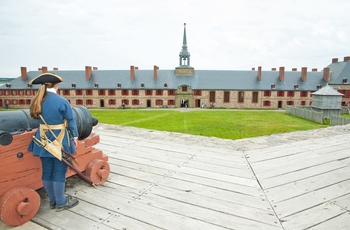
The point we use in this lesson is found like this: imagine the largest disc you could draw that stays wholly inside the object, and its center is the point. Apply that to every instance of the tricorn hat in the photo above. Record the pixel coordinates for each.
(46, 77)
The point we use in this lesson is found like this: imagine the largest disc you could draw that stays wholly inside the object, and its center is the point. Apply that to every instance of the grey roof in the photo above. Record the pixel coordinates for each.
(340, 71)
(202, 80)
(327, 90)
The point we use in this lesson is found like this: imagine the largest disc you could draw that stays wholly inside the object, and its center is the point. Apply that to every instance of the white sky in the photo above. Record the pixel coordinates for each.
(221, 34)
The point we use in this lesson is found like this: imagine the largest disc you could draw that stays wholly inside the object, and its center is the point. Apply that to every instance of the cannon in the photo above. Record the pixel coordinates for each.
(20, 171)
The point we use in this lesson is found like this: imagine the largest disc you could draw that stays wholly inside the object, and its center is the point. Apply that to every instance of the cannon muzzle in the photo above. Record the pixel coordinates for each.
(18, 121)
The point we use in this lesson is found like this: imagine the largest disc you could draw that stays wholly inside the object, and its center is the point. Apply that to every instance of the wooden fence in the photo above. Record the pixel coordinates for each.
(309, 114)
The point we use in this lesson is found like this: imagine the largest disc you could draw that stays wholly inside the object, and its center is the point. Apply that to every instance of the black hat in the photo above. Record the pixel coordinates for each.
(46, 77)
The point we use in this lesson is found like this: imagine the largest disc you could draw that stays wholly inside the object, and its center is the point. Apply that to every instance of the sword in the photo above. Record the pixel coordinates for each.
(68, 163)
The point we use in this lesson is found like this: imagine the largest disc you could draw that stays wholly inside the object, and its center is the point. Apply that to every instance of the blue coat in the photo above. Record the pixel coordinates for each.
(54, 110)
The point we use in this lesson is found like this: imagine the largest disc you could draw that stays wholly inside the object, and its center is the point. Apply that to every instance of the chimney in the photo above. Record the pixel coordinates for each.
(155, 68)
(347, 58)
(314, 69)
(281, 74)
(334, 60)
(55, 68)
(273, 69)
(132, 73)
(95, 68)
(294, 69)
(259, 73)
(44, 69)
(23, 73)
(303, 73)
(87, 73)
(326, 74)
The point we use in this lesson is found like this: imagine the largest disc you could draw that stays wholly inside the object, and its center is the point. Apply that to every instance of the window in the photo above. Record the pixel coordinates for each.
(159, 92)
(303, 94)
(135, 102)
(267, 93)
(78, 92)
(135, 92)
(126, 102)
(66, 92)
(303, 103)
(79, 102)
(88, 92)
(198, 92)
(212, 96)
(111, 92)
(267, 103)
(148, 93)
(226, 96)
(280, 93)
(28, 101)
(112, 101)
(290, 102)
(21, 102)
(347, 94)
(171, 102)
(159, 102)
(101, 92)
(125, 92)
(255, 97)
(241, 97)
(184, 88)
(171, 92)
(89, 102)
(290, 94)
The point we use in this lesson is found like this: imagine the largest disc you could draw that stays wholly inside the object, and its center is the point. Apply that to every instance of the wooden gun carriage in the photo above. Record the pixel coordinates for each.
(20, 171)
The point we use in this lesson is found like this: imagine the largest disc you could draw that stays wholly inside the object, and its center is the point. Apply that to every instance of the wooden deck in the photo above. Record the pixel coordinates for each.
(162, 180)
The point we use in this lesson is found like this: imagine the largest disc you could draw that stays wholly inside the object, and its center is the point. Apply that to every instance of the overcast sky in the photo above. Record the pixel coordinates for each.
(221, 34)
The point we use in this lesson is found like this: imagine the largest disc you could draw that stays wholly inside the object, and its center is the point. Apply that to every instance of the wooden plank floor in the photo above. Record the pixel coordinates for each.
(162, 180)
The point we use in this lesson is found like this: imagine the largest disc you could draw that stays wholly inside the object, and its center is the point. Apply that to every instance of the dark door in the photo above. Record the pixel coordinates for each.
(279, 104)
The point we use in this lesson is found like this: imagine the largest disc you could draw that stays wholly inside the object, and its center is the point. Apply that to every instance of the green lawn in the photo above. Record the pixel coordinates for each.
(228, 124)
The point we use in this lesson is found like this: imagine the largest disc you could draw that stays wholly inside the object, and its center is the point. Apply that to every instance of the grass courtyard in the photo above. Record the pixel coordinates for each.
(228, 124)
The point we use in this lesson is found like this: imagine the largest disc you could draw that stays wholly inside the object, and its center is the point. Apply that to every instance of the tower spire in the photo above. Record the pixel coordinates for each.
(184, 54)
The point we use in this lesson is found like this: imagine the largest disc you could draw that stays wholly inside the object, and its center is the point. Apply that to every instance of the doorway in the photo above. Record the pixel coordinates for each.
(184, 103)
(102, 103)
(148, 103)
(279, 104)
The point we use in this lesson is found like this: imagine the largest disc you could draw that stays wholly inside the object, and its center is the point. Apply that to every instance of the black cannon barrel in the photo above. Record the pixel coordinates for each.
(17, 121)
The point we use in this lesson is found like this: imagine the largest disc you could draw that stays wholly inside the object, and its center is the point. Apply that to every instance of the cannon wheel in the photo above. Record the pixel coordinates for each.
(98, 171)
(19, 205)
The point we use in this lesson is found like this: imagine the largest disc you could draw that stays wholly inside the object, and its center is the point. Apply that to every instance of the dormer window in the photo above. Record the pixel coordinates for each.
(345, 80)
(29, 85)
(8, 85)
(119, 85)
(273, 86)
(142, 85)
(319, 86)
(165, 85)
(296, 86)
(73, 85)
(96, 85)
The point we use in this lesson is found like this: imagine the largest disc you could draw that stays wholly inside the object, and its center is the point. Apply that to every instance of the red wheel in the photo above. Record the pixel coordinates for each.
(19, 205)
(98, 171)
